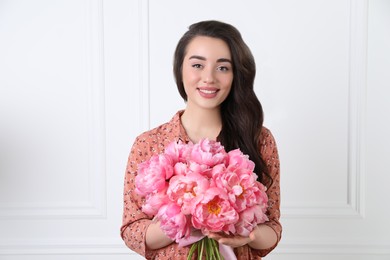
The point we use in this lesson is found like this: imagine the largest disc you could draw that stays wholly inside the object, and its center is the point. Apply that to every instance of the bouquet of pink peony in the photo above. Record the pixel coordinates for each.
(201, 188)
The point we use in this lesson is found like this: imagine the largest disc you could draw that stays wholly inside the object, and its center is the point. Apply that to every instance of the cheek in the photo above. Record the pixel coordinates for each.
(188, 82)
(228, 81)
(190, 78)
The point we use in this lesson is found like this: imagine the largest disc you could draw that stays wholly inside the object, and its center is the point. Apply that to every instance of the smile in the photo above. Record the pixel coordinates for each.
(208, 91)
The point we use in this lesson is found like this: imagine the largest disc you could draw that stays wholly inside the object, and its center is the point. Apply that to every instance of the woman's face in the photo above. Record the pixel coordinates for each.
(207, 72)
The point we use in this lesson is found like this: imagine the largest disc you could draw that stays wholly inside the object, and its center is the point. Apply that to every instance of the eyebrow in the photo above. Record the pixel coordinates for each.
(203, 58)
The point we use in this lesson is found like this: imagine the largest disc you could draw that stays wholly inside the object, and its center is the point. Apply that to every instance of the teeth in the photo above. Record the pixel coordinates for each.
(208, 91)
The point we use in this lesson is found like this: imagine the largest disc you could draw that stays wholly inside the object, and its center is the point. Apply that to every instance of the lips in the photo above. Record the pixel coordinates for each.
(208, 92)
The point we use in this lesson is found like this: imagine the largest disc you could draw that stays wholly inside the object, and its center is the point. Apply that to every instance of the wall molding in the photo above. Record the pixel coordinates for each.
(111, 246)
(332, 245)
(144, 60)
(354, 206)
(324, 248)
(86, 246)
(95, 206)
(96, 118)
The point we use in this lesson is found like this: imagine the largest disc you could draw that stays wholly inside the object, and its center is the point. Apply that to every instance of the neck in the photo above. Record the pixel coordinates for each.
(202, 123)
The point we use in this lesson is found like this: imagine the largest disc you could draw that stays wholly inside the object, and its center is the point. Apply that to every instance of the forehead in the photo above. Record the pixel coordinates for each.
(208, 47)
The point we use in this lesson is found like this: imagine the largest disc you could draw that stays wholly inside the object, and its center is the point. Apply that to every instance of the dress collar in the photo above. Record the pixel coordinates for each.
(178, 127)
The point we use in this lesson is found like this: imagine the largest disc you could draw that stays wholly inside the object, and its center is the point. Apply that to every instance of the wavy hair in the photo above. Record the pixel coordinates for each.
(241, 112)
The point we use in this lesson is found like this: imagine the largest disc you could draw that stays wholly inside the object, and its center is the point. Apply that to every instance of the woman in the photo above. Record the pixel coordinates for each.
(214, 71)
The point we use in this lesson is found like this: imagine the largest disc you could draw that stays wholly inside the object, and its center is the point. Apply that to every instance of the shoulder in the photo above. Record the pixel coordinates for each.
(154, 135)
(155, 140)
(266, 136)
(267, 142)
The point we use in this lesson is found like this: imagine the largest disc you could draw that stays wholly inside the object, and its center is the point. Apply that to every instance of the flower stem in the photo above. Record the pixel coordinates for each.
(192, 250)
(208, 246)
(200, 252)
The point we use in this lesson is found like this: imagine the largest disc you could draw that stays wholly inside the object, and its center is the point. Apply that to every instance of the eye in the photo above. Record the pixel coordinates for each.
(223, 68)
(197, 66)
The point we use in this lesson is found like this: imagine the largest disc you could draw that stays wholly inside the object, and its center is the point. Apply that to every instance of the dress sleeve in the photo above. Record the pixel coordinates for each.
(269, 153)
(135, 222)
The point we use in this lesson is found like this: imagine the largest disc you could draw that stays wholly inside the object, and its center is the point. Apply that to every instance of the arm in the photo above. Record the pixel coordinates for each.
(264, 237)
(269, 233)
(270, 155)
(155, 237)
(137, 227)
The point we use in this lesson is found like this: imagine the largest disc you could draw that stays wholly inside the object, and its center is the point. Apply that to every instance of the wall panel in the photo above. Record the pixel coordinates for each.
(81, 79)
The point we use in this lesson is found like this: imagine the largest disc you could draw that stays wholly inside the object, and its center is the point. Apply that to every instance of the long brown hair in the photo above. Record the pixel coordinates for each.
(241, 112)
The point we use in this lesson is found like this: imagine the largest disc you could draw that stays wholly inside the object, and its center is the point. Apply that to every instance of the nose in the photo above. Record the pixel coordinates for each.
(208, 75)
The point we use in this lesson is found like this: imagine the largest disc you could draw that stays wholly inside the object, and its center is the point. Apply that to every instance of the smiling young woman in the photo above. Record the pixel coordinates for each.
(207, 79)
(207, 73)
(214, 71)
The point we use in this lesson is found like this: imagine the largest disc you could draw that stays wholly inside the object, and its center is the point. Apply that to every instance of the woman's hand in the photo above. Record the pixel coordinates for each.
(155, 237)
(261, 237)
(232, 241)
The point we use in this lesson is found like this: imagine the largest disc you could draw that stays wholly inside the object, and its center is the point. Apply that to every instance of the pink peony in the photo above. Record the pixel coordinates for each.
(214, 213)
(201, 169)
(239, 160)
(173, 222)
(252, 195)
(191, 167)
(187, 190)
(154, 201)
(178, 151)
(208, 152)
(250, 218)
(180, 169)
(152, 174)
(239, 183)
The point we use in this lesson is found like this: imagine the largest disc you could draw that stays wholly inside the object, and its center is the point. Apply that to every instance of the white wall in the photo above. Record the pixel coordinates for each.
(80, 79)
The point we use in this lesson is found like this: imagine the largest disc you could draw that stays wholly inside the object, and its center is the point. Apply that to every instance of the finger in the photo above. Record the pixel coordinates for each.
(226, 242)
(252, 236)
(214, 236)
(234, 242)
